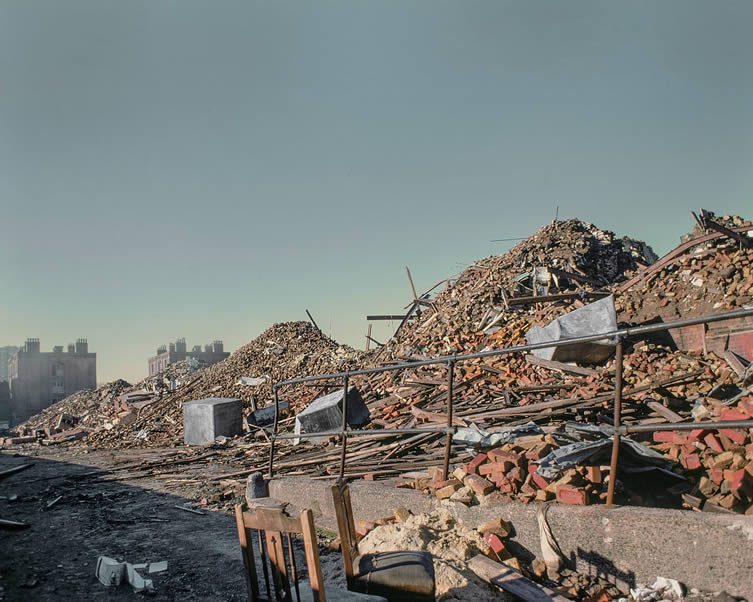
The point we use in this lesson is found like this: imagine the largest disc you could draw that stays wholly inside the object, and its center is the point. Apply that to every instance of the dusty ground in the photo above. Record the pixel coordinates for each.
(133, 520)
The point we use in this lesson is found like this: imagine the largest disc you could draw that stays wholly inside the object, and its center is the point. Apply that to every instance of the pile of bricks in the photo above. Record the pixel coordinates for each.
(720, 463)
(510, 471)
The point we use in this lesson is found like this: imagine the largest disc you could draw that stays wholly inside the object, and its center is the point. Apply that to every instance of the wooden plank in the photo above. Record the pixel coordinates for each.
(435, 417)
(12, 524)
(732, 359)
(556, 297)
(247, 552)
(15, 469)
(271, 519)
(512, 581)
(664, 412)
(723, 230)
(311, 547)
(276, 554)
(560, 366)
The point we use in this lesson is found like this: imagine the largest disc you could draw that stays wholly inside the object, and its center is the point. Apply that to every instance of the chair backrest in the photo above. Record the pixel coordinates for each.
(346, 526)
(273, 530)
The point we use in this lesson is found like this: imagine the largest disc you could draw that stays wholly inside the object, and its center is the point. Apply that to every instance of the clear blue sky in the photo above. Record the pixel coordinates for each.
(204, 169)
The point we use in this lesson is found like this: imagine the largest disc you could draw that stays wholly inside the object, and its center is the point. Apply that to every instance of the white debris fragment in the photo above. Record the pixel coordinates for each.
(113, 573)
(662, 589)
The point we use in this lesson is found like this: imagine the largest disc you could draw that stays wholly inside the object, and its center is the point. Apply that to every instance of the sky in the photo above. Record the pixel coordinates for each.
(206, 169)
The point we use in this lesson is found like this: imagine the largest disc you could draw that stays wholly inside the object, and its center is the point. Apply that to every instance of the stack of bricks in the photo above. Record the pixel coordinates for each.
(511, 471)
(719, 462)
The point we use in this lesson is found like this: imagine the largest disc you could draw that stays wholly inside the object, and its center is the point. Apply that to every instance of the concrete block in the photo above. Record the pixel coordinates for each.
(267, 415)
(206, 419)
(256, 486)
(595, 318)
(325, 413)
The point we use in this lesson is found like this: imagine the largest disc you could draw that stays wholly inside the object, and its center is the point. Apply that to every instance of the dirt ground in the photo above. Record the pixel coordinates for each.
(132, 519)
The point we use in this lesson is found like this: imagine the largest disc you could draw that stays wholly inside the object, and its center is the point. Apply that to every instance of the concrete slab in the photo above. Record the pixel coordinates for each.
(206, 419)
(326, 413)
(627, 544)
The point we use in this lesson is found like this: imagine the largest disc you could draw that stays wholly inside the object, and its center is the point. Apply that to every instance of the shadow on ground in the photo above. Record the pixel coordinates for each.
(55, 558)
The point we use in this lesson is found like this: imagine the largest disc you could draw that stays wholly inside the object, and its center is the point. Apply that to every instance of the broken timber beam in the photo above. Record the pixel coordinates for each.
(386, 317)
(560, 366)
(512, 301)
(710, 224)
(15, 469)
(512, 581)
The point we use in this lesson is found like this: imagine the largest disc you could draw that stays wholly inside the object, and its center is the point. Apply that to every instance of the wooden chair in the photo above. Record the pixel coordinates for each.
(399, 576)
(278, 565)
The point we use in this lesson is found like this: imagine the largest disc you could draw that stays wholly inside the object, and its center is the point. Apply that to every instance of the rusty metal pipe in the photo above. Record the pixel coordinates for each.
(448, 441)
(617, 423)
(623, 332)
(367, 432)
(711, 425)
(274, 432)
(344, 431)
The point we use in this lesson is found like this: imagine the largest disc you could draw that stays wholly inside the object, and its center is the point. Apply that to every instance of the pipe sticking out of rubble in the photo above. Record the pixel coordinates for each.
(710, 425)
(372, 432)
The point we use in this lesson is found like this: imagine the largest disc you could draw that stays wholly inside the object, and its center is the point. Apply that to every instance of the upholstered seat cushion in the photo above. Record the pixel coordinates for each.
(397, 576)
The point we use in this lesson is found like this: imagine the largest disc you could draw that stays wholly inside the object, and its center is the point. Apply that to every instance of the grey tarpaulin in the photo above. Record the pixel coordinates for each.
(582, 452)
(594, 318)
(475, 437)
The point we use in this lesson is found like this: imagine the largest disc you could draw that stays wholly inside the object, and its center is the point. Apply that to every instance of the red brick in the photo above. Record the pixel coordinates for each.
(716, 475)
(479, 484)
(664, 436)
(476, 462)
(567, 494)
(540, 481)
(593, 474)
(490, 467)
(739, 481)
(697, 434)
(500, 455)
(733, 414)
(692, 462)
(497, 545)
(713, 442)
(746, 406)
(737, 437)
(515, 475)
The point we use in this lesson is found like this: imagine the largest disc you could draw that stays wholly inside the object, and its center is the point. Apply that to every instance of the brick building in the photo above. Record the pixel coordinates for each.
(40, 378)
(5, 353)
(178, 351)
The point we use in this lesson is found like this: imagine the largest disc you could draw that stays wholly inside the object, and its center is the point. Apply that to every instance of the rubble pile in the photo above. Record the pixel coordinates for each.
(719, 464)
(488, 308)
(492, 305)
(712, 277)
(453, 545)
(565, 256)
(285, 350)
(105, 407)
(83, 412)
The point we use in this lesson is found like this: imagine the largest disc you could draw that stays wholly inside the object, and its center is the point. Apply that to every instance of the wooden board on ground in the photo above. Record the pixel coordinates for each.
(512, 581)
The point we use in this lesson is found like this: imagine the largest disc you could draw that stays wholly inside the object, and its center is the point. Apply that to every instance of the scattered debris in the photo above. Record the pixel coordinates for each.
(12, 524)
(112, 573)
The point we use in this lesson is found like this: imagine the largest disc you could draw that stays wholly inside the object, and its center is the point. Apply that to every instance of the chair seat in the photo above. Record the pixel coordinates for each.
(397, 576)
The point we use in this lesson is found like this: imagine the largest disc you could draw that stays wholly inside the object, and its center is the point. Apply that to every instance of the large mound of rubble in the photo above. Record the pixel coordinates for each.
(492, 305)
(107, 406)
(283, 351)
(711, 277)
(564, 256)
(90, 408)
